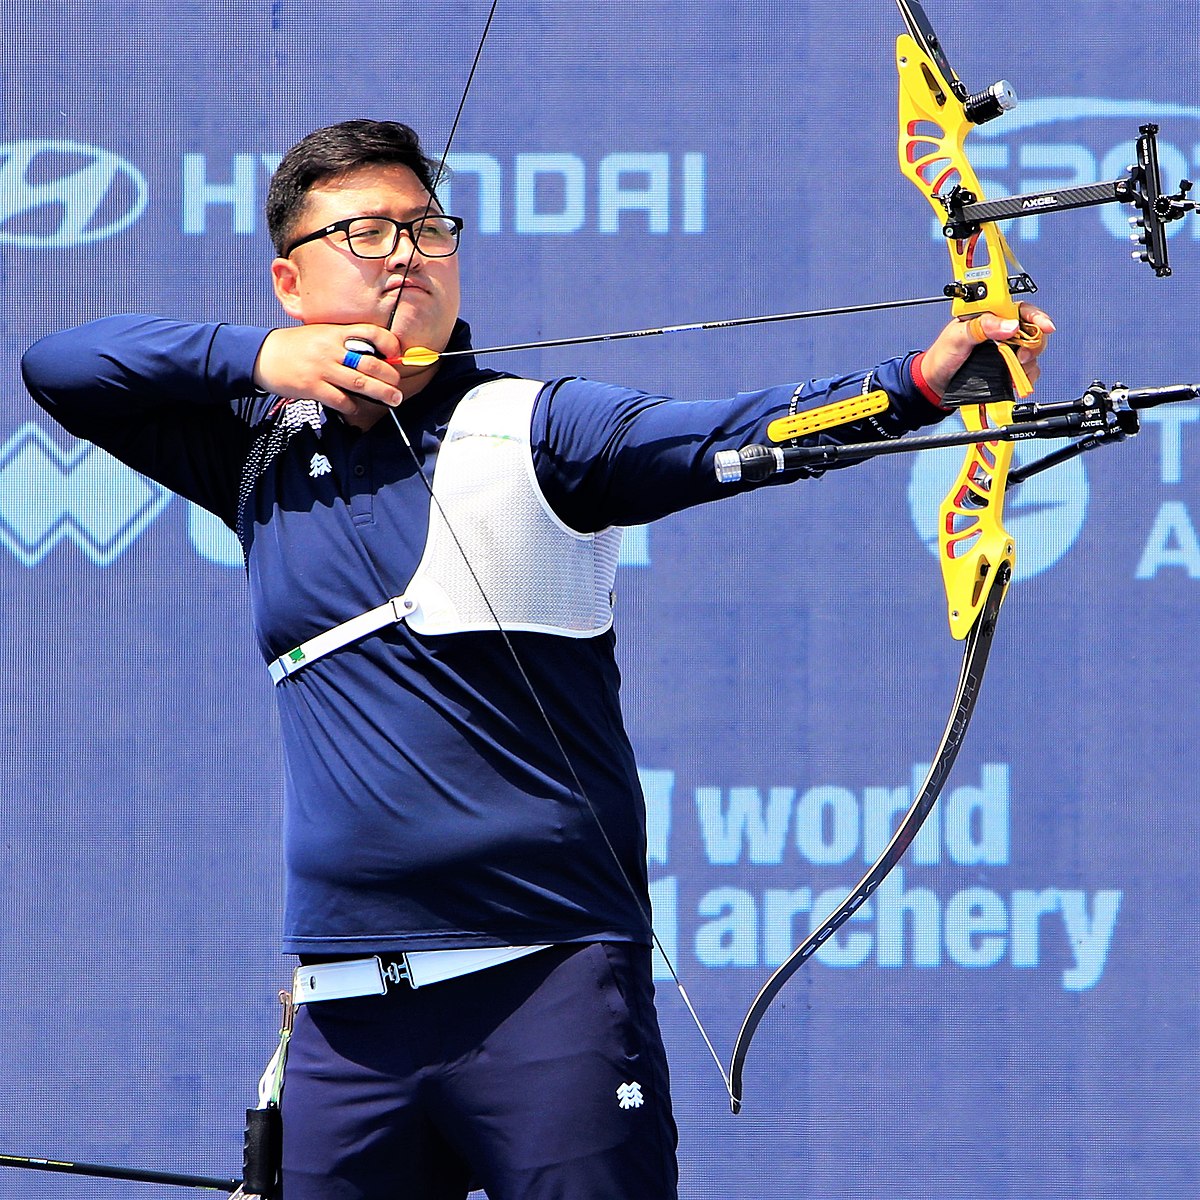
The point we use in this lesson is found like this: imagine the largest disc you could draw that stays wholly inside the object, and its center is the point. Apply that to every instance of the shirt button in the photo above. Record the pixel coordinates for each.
(360, 470)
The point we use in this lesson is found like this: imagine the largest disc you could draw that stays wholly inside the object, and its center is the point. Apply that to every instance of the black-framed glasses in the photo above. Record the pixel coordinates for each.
(435, 235)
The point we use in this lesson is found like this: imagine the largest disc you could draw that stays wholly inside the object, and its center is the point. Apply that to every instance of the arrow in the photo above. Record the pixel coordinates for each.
(132, 1174)
(422, 356)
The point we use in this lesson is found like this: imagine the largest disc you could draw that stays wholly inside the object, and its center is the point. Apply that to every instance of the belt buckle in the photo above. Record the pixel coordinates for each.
(338, 980)
(394, 972)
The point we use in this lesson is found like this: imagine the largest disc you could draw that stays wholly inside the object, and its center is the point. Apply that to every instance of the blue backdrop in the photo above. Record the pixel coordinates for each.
(1014, 1014)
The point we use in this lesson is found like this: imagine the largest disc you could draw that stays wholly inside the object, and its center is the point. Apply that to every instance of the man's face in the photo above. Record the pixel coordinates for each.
(323, 282)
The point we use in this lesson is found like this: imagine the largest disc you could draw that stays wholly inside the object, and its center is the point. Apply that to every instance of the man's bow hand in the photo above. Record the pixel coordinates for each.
(953, 346)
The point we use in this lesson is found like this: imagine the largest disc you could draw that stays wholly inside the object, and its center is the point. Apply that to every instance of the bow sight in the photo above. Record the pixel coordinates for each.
(966, 213)
(1141, 187)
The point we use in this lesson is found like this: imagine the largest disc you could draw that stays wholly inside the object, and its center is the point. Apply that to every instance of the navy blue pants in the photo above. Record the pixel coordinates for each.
(540, 1079)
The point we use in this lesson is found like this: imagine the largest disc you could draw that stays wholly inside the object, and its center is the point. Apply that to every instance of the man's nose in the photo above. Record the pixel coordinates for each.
(405, 250)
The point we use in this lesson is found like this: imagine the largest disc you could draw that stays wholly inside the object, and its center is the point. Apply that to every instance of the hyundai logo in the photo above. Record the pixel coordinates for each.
(57, 194)
(82, 495)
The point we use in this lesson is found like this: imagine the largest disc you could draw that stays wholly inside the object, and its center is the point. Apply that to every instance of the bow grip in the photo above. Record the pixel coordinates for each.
(985, 378)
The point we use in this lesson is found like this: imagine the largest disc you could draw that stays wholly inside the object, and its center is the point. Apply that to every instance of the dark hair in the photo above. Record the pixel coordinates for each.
(332, 151)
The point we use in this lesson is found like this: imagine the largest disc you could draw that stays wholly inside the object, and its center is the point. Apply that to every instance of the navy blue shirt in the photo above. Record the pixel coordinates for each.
(426, 803)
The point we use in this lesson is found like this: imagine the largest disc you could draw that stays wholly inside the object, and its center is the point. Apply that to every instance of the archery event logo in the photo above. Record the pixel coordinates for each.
(59, 194)
(1045, 514)
(82, 495)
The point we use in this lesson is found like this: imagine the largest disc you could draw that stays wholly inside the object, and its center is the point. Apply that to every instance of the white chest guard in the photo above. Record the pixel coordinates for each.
(495, 552)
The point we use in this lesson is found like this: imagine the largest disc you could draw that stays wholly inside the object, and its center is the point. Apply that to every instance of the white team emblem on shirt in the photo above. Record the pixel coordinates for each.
(629, 1095)
(318, 466)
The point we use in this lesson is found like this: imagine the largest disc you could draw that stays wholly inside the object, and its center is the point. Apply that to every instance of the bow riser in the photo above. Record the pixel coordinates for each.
(972, 540)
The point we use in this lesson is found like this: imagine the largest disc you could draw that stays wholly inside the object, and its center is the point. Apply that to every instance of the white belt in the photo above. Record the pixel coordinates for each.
(370, 977)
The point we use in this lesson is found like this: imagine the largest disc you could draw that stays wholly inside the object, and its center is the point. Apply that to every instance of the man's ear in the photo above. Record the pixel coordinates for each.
(285, 278)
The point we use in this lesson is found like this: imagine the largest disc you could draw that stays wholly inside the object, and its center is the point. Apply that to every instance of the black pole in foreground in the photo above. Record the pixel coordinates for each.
(132, 1174)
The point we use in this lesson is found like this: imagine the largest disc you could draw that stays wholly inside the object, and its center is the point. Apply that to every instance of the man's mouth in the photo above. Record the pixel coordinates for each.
(399, 285)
